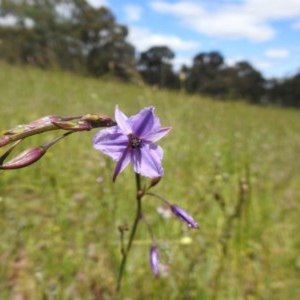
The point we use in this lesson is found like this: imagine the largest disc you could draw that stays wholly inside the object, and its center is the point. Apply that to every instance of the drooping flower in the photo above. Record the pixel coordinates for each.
(154, 260)
(133, 140)
(184, 216)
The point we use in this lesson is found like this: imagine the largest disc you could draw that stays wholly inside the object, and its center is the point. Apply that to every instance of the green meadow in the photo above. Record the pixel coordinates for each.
(234, 167)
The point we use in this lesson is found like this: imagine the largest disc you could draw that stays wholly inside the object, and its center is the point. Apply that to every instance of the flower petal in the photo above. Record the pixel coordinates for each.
(122, 163)
(111, 141)
(155, 136)
(147, 160)
(121, 119)
(145, 122)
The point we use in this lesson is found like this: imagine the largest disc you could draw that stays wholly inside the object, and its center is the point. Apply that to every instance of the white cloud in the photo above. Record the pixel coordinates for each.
(260, 64)
(272, 9)
(248, 19)
(98, 3)
(133, 12)
(277, 53)
(143, 39)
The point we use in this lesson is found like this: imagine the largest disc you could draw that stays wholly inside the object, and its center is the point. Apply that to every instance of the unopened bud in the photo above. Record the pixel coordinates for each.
(17, 129)
(24, 159)
(123, 227)
(45, 120)
(97, 120)
(154, 181)
(73, 126)
(184, 216)
(4, 140)
(154, 260)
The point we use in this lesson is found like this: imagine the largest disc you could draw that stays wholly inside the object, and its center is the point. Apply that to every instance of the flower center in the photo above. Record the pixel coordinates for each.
(134, 141)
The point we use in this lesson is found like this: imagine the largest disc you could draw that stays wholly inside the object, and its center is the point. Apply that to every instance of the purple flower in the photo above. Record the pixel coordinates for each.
(133, 140)
(154, 260)
(184, 216)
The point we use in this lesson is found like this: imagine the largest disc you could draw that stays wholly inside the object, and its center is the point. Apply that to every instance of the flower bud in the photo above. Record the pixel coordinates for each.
(154, 260)
(4, 140)
(45, 120)
(25, 158)
(97, 120)
(17, 129)
(73, 126)
(123, 227)
(154, 181)
(184, 216)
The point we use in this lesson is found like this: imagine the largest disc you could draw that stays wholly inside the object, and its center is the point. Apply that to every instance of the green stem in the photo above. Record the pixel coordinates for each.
(132, 233)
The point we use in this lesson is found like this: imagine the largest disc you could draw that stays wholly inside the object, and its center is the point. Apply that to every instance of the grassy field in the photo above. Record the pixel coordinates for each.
(234, 167)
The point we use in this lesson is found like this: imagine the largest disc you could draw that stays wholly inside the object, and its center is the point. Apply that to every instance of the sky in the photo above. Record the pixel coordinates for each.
(266, 33)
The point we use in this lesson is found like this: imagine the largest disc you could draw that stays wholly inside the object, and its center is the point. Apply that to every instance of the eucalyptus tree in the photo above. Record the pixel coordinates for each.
(156, 68)
(70, 34)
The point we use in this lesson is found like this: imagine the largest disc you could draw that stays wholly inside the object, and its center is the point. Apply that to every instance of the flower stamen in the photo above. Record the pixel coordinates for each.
(134, 141)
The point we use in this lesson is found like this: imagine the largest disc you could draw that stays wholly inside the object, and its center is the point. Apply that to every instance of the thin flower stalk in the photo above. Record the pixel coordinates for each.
(137, 219)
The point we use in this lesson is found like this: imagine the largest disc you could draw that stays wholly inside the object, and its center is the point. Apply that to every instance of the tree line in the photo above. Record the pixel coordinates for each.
(73, 35)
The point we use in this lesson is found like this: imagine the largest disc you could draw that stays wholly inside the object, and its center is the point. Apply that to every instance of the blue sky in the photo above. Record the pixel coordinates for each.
(264, 32)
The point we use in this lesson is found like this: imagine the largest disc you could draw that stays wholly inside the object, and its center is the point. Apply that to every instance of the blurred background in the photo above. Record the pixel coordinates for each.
(242, 49)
